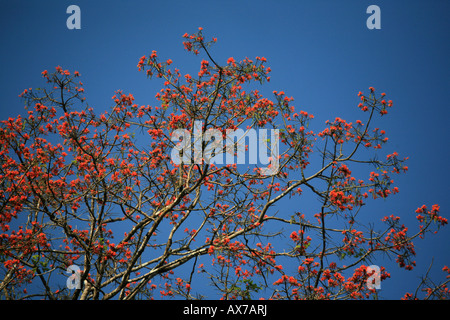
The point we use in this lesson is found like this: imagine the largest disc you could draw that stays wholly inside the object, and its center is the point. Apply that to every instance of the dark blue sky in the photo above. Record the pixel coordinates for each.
(321, 53)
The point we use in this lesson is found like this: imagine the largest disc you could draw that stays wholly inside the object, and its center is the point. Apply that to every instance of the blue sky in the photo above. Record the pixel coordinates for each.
(321, 53)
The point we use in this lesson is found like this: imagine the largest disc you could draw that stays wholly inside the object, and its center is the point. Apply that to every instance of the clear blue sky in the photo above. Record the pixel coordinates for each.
(321, 53)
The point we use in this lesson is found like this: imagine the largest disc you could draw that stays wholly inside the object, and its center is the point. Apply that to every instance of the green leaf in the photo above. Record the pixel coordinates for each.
(35, 258)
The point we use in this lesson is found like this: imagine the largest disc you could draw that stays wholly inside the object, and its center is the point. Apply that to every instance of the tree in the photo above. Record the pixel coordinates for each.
(102, 193)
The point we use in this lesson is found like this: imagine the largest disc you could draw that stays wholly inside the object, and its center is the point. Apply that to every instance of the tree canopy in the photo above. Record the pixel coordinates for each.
(93, 206)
